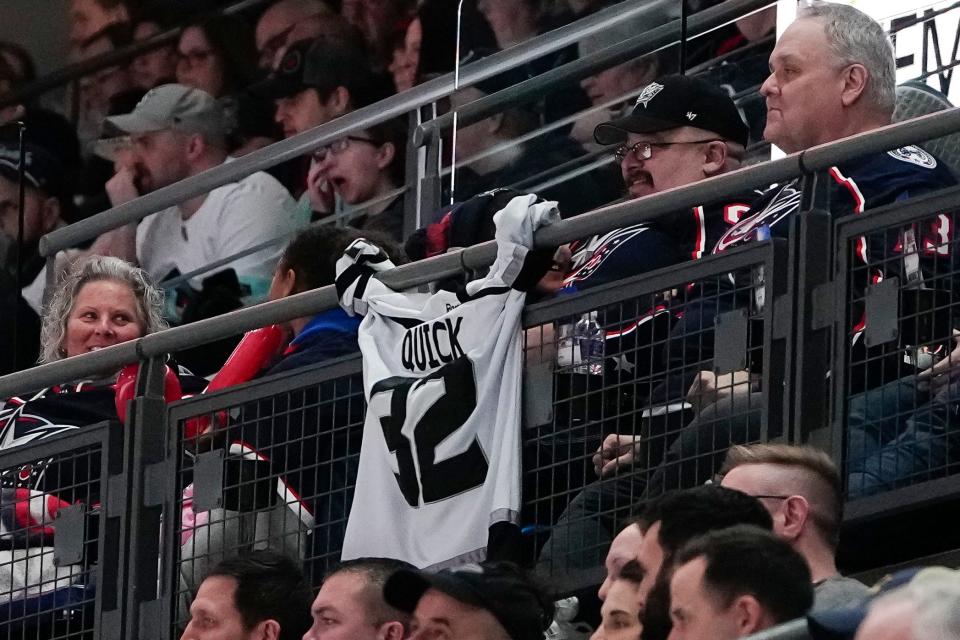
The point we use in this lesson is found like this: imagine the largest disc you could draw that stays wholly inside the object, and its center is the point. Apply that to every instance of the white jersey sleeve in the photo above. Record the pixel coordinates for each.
(440, 458)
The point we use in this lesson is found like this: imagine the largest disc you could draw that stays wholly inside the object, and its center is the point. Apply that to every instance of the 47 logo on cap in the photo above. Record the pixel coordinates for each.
(648, 93)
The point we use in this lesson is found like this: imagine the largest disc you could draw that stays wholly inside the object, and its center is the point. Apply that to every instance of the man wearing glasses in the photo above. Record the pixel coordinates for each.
(801, 488)
(681, 130)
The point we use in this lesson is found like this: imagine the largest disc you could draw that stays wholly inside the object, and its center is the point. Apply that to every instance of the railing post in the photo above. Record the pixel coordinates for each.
(147, 465)
(111, 607)
(809, 366)
(423, 174)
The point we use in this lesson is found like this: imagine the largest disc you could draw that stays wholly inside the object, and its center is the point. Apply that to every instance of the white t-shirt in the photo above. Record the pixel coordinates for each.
(440, 455)
(232, 218)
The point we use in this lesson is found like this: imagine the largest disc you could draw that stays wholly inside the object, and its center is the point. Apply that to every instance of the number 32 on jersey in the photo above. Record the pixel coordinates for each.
(422, 420)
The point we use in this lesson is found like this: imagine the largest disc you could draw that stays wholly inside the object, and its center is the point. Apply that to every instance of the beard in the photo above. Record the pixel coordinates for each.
(656, 613)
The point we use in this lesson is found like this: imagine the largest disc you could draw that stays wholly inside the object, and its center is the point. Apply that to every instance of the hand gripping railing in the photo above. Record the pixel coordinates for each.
(611, 217)
(393, 106)
(77, 70)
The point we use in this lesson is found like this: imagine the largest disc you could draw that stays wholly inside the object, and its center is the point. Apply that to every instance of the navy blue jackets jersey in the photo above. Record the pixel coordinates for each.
(857, 185)
(640, 248)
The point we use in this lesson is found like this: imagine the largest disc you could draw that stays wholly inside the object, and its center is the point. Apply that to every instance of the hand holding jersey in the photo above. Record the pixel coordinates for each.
(440, 459)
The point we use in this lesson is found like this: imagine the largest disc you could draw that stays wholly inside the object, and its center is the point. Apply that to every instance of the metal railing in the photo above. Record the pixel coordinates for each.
(650, 208)
(72, 72)
(394, 106)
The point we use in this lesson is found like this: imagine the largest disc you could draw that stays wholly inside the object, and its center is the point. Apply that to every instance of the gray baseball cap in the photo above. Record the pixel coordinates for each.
(170, 106)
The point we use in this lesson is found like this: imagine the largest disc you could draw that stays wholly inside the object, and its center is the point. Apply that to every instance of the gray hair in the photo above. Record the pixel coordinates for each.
(935, 595)
(149, 298)
(855, 37)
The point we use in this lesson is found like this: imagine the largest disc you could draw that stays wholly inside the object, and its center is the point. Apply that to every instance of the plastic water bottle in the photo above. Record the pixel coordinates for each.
(590, 338)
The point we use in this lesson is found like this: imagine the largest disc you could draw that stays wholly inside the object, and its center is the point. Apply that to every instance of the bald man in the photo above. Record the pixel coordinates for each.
(275, 28)
(800, 487)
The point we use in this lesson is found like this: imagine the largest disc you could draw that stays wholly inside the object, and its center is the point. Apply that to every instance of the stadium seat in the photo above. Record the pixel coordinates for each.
(917, 98)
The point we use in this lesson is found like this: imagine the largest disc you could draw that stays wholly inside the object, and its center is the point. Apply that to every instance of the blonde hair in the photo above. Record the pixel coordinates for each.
(149, 298)
(814, 463)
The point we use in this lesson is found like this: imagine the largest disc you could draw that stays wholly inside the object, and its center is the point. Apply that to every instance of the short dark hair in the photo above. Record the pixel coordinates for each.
(375, 572)
(747, 560)
(313, 253)
(393, 131)
(688, 513)
(270, 586)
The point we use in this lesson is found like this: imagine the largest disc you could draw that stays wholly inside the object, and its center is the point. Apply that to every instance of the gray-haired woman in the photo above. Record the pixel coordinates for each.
(101, 302)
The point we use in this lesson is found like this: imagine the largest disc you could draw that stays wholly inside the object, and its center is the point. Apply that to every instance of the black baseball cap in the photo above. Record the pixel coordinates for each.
(677, 101)
(318, 64)
(40, 168)
(501, 588)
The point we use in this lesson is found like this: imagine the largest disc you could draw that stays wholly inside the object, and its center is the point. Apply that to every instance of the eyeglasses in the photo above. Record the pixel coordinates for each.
(339, 146)
(194, 58)
(772, 497)
(644, 150)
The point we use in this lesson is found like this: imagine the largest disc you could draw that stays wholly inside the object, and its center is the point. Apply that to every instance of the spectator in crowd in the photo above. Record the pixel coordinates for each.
(20, 62)
(178, 132)
(273, 29)
(919, 603)
(735, 582)
(520, 165)
(315, 82)
(309, 262)
(926, 609)
(351, 605)
(428, 47)
(670, 522)
(512, 21)
(155, 67)
(97, 89)
(622, 550)
(46, 200)
(101, 302)
(801, 488)
(89, 17)
(620, 611)
(608, 90)
(255, 595)
(367, 167)
(217, 56)
(658, 150)
(482, 602)
(850, 99)
(378, 22)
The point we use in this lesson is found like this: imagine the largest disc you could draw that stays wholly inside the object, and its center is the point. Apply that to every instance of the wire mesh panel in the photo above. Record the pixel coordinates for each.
(639, 388)
(273, 467)
(50, 515)
(898, 322)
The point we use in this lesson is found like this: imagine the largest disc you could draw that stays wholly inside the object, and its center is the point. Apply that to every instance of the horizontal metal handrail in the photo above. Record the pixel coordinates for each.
(77, 70)
(611, 217)
(400, 104)
(639, 45)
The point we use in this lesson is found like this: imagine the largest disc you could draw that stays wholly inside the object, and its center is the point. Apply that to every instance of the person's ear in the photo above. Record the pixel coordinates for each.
(748, 615)
(49, 214)
(287, 283)
(855, 78)
(196, 147)
(495, 123)
(714, 158)
(385, 155)
(338, 101)
(392, 630)
(795, 512)
(266, 630)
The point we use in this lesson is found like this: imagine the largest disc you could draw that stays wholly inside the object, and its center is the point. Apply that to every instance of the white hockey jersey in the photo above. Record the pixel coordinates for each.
(440, 459)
